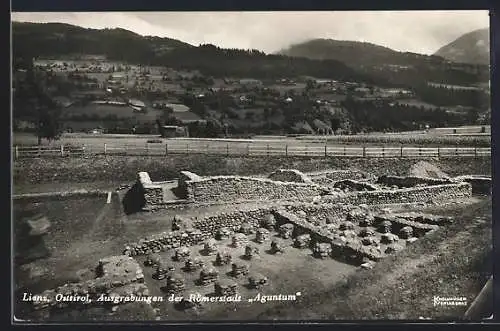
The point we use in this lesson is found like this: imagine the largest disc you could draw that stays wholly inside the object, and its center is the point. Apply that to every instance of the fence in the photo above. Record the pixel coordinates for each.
(229, 149)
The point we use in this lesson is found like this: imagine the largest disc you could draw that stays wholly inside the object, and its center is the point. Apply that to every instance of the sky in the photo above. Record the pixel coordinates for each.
(411, 31)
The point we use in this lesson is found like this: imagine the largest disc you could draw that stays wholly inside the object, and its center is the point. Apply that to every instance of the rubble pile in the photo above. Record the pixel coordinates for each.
(251, 251)
(162, 271)
(389, 238)
(238, 269)
(246, 228)
(286, 230)
(322, 250)
(277, 247)
(194, 264)
(262, 235)
(225, 288)
(257, 280)
(239, 240)
(223, 258)
(346, 226)
(302, 241)
(406, 232)
(384, 227)
(178, 223)
(152, 260)
(208, 276)
(269, 222)
(223, 233)
(210, 247)
(182, 254)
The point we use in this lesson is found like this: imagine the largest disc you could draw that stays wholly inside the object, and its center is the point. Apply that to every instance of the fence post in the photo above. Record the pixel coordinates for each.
(439, 152)
(208, 148)
(187, 149)
(248, 149)
(166, 149)
(227, 149)
(83, 150)
(420, 151)
(326, 153)
(456, 151)
(475, 152)
(364, 151)
(383, 151)
(267, 150)
(17, 152)
(105, 148)
(62, 150)
(401, 150)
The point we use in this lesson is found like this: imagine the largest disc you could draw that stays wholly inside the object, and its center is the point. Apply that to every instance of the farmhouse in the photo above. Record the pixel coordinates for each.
(187, 117)
(137, 105)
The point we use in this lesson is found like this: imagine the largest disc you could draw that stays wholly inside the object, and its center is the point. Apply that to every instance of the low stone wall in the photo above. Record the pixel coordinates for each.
(354, 185)
(236, 188)
(336, 175)
(290, 175)
(410, 181)
(202, 230)
(434, 194)
(165, 241)
(480, 185)
(153, 193)
(185, 177)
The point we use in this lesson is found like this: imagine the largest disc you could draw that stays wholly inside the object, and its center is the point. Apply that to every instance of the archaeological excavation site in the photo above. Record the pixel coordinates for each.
(237, 247)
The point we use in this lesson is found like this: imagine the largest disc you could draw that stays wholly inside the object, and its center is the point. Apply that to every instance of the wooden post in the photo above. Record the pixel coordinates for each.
(208, 148)
(248, 149)
(105, 149)
(420, 151)
(475, 152)
(383, 151)
(456, 151)
(364, 151)
(326, 152)
(62, 150)
(227, 149)
(439, 152)
(187, 149)
(345, 151)
(286, 150)
(166, 149)
(83, 150)
(267, 149)
(401, 151)
(17, 152)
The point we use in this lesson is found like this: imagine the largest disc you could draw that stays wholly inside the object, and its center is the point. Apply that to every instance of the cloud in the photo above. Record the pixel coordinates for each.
(415, 31)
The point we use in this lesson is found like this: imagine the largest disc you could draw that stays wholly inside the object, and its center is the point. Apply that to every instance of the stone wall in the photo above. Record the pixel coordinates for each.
(153, 193)
(480, 185)
(410, 181)
(237, 189)
(354, 185)
(202, 230)
(434, 194)
(290, 175)
(336, 175)
(183, 187)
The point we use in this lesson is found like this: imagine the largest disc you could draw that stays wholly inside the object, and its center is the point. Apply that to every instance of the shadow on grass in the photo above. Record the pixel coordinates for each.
(134, 200)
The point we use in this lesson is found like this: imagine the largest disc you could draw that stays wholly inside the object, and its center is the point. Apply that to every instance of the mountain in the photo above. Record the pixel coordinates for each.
(472, 47)
(58, 39)
(357, 54)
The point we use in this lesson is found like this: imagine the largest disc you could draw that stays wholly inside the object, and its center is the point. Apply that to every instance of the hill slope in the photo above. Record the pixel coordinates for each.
(56, 39)
(472, 47)
(356, 54)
